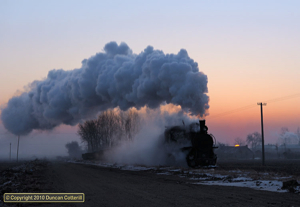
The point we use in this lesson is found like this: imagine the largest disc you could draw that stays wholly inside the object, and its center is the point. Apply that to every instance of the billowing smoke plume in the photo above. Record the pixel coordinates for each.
(114, 78)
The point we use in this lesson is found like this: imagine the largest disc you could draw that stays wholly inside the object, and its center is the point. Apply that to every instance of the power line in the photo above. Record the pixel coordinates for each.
(283, 98)
(234, 111)
(253, 105)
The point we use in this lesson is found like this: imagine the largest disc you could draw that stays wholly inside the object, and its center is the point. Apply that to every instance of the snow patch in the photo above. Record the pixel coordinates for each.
(206, 176)
(274, 186)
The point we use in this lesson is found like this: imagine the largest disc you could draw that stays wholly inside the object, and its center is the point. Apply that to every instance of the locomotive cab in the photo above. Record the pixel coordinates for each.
(200, 150)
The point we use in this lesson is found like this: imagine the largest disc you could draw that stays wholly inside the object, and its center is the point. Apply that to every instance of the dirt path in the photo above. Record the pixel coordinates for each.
(114, 187)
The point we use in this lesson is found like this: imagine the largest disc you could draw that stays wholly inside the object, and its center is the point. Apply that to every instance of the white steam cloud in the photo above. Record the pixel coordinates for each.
(114, 78)
(148, 146)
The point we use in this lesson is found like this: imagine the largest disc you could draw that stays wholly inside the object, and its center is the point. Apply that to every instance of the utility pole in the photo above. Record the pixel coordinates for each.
(262, 132)
(18, 148)
(9, 151)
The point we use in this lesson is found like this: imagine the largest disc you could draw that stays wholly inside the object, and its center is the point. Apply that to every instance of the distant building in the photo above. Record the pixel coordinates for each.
(289, 151)
(234, 152)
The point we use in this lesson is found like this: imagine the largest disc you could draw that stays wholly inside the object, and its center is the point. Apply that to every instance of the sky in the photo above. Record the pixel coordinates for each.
(249, 51)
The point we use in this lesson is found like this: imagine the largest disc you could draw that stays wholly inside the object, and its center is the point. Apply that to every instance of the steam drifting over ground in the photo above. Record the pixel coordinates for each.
(114, 78)
(148, 147)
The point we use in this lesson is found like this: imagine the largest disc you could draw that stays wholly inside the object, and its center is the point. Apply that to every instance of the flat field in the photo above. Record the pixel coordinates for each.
(123, 185)
(283, 166)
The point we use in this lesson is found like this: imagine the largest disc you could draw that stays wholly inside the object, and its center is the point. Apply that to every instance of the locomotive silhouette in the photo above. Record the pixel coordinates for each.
(198, 144)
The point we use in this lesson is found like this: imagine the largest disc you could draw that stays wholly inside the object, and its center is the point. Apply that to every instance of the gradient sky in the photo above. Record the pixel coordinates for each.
(249, 50)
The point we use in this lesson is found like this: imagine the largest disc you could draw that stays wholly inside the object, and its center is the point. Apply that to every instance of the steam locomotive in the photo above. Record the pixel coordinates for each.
(196, 143)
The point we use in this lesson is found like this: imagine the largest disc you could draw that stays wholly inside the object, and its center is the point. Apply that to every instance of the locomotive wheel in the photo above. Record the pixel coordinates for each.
(191, 159)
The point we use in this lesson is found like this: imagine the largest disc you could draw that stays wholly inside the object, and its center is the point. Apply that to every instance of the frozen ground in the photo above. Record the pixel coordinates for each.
(137, 185)
(212, 176)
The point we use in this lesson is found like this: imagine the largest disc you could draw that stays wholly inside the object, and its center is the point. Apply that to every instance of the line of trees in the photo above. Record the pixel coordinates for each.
(109, 128)
(285, 137)
(253, 140)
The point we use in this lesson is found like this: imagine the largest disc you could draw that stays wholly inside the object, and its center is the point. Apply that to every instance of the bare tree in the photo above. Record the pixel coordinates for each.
(254, 139)
(109, 128)
(74, 149)
(283, 138)
(283, 130)
(239, 141)
(132, 124)
(220, 144)
(84, 135)
(88, 134)
(287, 137)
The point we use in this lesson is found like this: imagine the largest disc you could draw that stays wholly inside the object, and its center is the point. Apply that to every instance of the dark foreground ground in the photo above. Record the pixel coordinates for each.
(114, 187)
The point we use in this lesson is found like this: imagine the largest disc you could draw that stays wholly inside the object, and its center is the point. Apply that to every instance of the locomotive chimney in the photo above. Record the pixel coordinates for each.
(203, 128)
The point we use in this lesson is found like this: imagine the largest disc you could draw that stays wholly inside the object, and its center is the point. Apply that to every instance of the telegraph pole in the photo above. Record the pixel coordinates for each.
(262, 132)
(9, 151)
(18, 148)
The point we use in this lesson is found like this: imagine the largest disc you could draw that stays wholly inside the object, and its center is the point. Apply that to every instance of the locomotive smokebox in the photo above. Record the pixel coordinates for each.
(203, 128)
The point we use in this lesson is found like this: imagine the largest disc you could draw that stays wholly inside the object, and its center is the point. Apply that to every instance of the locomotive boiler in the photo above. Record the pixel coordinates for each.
(196, 143)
